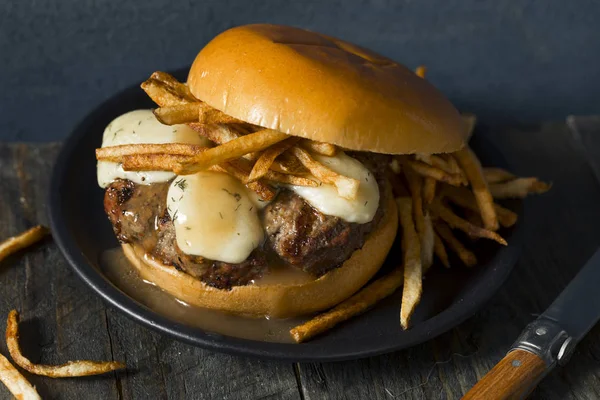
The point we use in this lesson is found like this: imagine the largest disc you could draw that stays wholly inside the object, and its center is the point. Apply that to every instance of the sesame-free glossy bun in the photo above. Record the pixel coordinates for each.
(321, 88)
(278, 300)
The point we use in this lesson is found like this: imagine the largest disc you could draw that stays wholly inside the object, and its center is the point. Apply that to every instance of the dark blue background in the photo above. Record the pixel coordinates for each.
(505, 60)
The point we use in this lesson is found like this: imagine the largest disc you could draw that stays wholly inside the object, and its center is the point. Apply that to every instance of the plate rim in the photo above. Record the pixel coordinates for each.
(442, 322)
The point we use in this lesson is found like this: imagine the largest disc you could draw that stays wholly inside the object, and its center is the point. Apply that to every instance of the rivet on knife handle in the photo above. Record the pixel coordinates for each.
(534, 353)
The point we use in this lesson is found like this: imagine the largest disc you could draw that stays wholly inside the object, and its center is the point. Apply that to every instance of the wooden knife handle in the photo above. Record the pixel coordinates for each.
(514, 377)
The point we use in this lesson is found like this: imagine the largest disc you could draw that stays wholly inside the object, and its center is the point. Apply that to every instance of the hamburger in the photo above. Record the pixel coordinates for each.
(301, 244)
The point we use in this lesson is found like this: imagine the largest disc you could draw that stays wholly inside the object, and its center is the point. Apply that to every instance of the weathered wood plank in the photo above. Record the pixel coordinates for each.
(64, 320)
(562, 234)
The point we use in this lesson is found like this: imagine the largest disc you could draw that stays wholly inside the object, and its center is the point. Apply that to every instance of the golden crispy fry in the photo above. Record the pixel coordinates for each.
(169, 80)
(443, 212)
(411, 250)
(415, 184)
(454, 168)
(223, 133)
(427, 243)
(346, 187)
(519, 188)
(469, 120)
(68, 370)
(116, 153)
(231, 150)
(355, 305)
(274, 176)
(21, 241)
(430, 171)
(179, 114)
(472, 167)
(429, 186)
(15, 382)
(421, 70)
(465, 255)
(218, 133)
(165, 95)
(152, 162)
(463, 197)
(440, 250)
(266, 159)
(288, 163)
(326, 149)
(497, 175)
(209, 115)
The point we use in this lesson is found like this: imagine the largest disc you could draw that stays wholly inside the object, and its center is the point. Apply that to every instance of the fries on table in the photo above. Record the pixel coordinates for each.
(68, 370)
(25, 239)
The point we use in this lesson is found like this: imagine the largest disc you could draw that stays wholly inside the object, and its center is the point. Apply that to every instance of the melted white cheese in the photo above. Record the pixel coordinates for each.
(214, 216)
(326, 199)
(136, 127)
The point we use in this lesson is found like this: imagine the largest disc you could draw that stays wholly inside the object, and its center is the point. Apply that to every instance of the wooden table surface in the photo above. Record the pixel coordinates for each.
(64, 320)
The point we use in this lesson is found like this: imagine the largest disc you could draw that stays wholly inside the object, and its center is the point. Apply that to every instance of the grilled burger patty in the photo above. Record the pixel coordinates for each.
(297, 233)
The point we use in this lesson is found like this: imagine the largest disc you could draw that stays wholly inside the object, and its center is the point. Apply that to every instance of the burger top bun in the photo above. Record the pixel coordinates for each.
(318, 87)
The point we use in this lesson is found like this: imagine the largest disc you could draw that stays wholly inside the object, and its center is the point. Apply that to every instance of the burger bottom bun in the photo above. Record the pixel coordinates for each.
(278, 300)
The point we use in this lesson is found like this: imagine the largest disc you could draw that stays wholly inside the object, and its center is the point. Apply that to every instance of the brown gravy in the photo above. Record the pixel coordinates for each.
(119, 271)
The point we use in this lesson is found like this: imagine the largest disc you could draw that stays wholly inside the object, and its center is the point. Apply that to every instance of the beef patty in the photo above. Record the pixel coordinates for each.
(297, 233)
(139, 216)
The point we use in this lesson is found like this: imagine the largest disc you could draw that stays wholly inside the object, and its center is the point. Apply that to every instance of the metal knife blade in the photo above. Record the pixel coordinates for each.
(577, 308)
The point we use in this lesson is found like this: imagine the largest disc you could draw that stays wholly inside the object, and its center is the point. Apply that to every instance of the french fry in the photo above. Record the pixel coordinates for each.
(411, 250)
(231, 150)
(23, 240)
(266, 159)
(427, 243)
(218, 133)
(444, 213)
(15, 382)
(165, 95)
(497, 175)
(472, 167)
(454, 168)
(346, 187)
(169, 80)
(429, 187)
(519, 188)
(152, 162)
(209, 115)
(440, 250)
(355, 305)
(465, 255)
(464, 198)
(68, 370)
(278, 177)
(430, 171)
(223, 133)
(179, 114)
(326, 149)
(116, 153)
(415, 184)
(421, 70)
(469, 120)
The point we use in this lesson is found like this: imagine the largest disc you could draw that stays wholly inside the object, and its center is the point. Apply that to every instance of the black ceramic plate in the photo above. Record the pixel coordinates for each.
(83, 232)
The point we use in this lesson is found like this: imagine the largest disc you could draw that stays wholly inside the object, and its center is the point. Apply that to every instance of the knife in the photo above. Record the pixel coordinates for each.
(547, 341)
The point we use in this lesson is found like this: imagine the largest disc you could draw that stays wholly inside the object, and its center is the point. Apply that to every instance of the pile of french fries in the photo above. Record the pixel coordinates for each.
(435, 194)
(256, 156)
